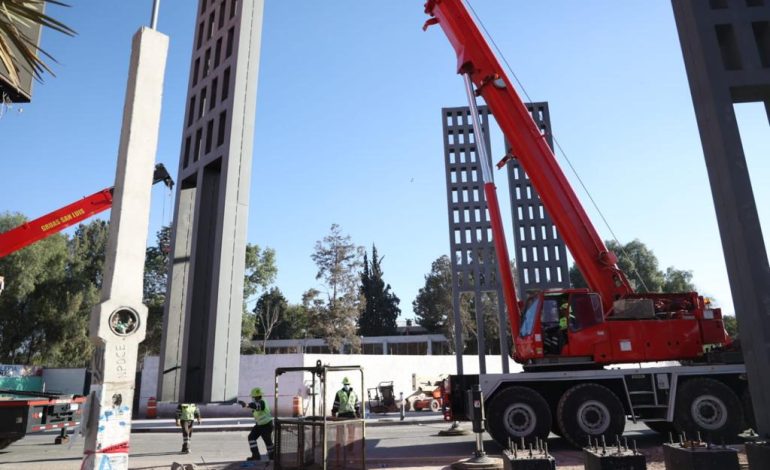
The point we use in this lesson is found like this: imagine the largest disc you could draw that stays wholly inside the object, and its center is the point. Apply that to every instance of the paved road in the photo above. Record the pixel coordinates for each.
(412, 445)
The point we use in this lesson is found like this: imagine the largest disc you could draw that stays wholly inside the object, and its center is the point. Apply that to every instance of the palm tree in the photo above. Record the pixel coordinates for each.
(18, 51)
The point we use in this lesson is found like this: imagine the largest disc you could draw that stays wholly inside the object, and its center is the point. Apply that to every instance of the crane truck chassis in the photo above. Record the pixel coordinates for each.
(708, 399)
(570, 340)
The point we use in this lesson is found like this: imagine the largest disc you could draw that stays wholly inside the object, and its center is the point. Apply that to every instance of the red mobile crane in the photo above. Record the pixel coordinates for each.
(565, 387)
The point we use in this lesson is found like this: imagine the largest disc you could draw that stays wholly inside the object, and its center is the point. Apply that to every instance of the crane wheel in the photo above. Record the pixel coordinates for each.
(6, 442)
(708, 407)
(590, 410)
(435, 406)
(516, 413)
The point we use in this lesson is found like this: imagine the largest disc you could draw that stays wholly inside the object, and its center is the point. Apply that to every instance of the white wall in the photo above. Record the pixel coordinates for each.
(258, 370)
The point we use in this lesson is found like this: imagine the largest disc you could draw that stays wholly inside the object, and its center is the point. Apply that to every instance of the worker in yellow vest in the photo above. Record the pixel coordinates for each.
(566, 318)
(186, 413)
(264, 424)
(346, 404)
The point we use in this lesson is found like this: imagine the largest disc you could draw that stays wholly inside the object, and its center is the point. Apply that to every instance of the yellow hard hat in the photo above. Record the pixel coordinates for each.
(346, 381)
(256, 392)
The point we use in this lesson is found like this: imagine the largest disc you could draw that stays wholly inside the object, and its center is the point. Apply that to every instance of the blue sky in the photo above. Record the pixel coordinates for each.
(348, 126)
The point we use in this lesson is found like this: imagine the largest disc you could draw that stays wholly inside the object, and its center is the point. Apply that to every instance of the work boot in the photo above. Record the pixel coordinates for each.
(185, 449)
(253, 457)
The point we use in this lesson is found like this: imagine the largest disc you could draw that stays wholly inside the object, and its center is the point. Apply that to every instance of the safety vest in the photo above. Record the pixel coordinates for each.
(563, 323)
(347, 401)
(262, 416)
(188, 412)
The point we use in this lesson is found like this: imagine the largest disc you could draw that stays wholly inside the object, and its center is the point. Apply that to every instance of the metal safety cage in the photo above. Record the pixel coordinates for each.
(319, 441)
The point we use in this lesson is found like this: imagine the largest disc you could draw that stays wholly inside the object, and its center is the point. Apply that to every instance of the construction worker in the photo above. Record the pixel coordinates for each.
(550, 323)
(346, 404)
(185, 414)
(565, 317)
(264, 424)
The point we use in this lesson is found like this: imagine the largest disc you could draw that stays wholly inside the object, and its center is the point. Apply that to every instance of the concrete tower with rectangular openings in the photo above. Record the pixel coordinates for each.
(200, 350)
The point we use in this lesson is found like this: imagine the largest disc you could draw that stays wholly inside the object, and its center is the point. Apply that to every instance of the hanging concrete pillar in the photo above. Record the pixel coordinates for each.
(200, 350)
(118, 323)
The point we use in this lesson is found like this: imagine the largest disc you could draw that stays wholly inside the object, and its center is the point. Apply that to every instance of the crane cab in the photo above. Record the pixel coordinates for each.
(551, 321)
(571, 327)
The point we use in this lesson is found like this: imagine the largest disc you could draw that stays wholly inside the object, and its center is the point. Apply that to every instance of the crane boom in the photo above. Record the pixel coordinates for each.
(476, 59)
(53, 222)
(71, 214)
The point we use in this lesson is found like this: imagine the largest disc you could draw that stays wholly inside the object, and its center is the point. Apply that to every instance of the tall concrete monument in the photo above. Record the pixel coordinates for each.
(119, 322)
(200, 349)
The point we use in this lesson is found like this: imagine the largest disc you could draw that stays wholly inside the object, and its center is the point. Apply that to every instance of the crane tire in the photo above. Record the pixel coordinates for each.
(516, 413)
(590, 410)
(435, 406)
(708, 407)
(6, 442)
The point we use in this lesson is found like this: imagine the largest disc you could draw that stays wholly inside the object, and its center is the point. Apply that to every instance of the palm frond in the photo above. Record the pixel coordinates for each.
(19, 52)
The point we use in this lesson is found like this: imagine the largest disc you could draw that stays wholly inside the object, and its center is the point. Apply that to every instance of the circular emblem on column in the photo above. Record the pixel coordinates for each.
(124, 321)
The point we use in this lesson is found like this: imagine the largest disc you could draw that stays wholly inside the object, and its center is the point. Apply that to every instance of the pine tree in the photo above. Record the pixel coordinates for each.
(381, 311)
(334, 317)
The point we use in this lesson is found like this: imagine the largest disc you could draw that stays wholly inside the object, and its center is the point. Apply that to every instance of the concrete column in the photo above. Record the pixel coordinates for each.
(720, 53)
(118, 323)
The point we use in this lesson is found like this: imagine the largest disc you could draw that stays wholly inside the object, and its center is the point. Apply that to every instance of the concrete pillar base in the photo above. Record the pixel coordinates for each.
(526, 461)
(625, 459)
(692, 457)
(758, 454)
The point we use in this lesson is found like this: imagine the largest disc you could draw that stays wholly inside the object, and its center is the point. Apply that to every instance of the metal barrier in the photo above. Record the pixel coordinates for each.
(308, 443)
(319, 442)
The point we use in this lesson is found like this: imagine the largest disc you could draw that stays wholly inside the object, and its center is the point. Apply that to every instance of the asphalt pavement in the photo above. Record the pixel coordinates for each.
(222, 444)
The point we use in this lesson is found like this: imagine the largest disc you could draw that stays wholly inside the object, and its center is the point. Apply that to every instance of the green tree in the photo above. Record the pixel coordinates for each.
(18, 13)
(576, 278)
(156, 266)
(260, 272)
(85, 273)
(269, 311)
(677, 280)
(640, 265)
(51, 287)
(334, 316)
(433, 304)
(381, 307)
(294, 324)
(731, 325)
(491, 322)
